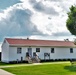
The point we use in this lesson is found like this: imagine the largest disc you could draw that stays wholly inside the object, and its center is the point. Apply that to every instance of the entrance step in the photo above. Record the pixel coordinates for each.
(33, 60)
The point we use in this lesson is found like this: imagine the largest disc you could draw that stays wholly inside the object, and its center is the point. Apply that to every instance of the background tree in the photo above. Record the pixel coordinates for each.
(71, 21)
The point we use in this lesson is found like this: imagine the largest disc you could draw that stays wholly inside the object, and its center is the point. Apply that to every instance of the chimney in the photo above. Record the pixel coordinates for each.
(66, 39)
(27, 38)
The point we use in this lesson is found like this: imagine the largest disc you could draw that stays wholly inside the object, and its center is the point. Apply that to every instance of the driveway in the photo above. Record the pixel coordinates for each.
(3, 72)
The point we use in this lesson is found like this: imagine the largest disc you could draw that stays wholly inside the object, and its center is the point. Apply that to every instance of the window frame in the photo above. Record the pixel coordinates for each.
(19, 50)
(71, 50)
(52, 50)
(34, 53)
(37, 49)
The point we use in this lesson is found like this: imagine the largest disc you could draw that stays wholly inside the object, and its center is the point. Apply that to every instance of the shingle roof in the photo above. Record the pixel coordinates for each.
(30, 42)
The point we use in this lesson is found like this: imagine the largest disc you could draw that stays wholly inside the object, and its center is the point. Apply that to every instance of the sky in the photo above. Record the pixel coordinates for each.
(36, 19)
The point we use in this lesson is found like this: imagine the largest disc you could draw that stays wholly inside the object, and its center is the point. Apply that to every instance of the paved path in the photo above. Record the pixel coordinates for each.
(3, 72)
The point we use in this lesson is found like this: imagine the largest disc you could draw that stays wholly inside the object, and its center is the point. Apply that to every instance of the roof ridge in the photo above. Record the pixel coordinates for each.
(37, 42)
(36, 39)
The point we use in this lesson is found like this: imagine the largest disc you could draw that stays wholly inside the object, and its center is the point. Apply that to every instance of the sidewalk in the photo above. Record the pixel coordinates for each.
(3, 72)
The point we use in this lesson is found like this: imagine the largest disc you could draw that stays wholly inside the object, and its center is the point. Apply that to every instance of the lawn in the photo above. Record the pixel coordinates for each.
(9, 64)
(45, 69)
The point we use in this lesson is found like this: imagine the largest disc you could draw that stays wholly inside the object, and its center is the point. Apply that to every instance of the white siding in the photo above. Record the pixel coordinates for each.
(59, 53)
(42, 51)
(13, 56)
(5, 52)
(63, 53)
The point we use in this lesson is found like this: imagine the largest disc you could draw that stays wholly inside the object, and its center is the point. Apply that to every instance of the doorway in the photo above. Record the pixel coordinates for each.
(30, 52)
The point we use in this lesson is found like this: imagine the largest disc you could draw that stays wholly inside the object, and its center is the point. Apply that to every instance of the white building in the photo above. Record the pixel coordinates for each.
(18, 49)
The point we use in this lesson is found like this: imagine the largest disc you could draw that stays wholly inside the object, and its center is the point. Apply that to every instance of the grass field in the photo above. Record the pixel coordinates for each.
(46, 69)
(9, 64)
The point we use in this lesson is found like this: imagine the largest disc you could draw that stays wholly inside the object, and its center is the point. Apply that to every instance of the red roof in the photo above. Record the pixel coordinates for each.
(30, 42)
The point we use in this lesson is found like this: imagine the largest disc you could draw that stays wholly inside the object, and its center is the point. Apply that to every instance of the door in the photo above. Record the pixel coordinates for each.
(30, 52)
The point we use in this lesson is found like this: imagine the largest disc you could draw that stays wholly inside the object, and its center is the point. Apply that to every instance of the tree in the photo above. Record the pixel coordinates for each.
(75, 41)
(71, 21)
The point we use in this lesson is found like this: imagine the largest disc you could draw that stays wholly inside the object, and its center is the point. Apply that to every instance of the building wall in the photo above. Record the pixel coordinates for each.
(59, 53)
(42, 51)
(63, 53)
(13, 56)
(5, 52)
(0, 56)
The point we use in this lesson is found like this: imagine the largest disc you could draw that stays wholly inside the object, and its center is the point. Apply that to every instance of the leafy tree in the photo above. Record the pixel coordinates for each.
(71, 21)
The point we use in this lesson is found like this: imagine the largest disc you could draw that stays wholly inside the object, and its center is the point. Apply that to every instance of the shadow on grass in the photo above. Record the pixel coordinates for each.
(70, 68)
(1, 63)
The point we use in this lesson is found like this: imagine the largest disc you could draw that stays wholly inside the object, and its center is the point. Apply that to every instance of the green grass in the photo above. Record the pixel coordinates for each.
(3, 64)
(45, 69)
(15, 64)
(9, 64)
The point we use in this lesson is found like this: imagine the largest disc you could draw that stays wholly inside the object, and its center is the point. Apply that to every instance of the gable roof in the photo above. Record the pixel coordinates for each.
(30, 42)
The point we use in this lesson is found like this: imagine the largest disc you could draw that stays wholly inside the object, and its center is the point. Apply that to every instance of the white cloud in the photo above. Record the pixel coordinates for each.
(57, 24)
(16, 21)
(36, 17)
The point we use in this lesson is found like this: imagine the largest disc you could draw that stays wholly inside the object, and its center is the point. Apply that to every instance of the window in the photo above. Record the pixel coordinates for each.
(46, 54)
(52, 50)
(71, 50)
(19, 50)
(37, 49)
(34, 53)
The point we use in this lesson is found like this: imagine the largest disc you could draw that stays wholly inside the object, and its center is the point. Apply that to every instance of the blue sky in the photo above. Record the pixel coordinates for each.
(36, 19)
(7, 3)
